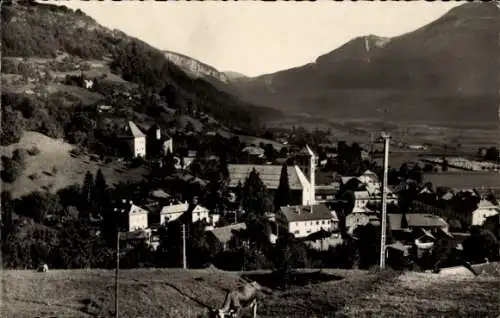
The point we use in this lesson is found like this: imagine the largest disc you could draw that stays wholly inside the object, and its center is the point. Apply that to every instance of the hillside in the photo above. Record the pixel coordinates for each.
(48, 51)
(446, 71)
(177, 293)
(54, 167)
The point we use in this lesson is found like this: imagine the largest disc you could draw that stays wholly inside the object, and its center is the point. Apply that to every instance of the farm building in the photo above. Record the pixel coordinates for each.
(224, 234)
(173, 212)
(484, 210)
(136, 140)
(302, 221)
(416, 221)
(270, 176)
(136, 218)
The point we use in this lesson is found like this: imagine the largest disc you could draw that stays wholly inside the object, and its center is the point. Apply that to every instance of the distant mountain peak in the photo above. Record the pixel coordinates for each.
(475, 9)
(445, 71)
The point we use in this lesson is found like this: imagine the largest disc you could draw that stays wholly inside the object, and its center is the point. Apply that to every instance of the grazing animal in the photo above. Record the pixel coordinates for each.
(245, 296)
(43, 268)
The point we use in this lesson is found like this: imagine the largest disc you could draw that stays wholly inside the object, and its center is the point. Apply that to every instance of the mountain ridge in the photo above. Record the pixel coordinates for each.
(435, 72)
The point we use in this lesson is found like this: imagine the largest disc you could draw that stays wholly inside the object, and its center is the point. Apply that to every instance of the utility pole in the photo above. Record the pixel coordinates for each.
(184, 263)
(383, 222)
(117, 270)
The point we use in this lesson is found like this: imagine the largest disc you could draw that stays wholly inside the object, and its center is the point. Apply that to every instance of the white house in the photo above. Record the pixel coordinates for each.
(484, 210)
(361, 199)
(200, 213)
(302, 221)
(136, 140)
(168, 145)
(172, 212)
(88, 83)
(137, 218)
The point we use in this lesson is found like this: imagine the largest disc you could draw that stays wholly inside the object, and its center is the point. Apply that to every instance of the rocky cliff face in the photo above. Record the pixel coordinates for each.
(195, 68)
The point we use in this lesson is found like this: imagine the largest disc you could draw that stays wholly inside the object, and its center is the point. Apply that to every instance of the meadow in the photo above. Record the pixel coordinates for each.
(189, 293)
(54, 167)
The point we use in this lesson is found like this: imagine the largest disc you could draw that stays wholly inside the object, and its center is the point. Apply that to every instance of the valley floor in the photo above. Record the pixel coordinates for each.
(178, 293)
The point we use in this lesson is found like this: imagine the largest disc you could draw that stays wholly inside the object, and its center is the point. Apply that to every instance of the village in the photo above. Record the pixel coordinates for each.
(415, 210)
(167, 161)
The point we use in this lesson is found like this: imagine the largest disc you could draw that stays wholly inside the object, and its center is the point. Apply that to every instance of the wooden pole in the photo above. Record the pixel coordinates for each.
(117, 271)
(384, 201)
(184, 262)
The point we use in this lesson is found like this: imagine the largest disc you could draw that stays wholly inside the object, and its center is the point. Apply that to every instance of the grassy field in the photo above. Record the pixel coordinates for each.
(41, 175)
(178, 293)
(464, 179)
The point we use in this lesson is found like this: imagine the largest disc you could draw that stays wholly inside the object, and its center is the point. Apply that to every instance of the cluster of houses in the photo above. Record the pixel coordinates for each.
(309, 212)
(141, 144)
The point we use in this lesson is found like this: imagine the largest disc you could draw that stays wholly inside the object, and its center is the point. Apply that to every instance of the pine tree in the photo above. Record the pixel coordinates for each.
(282, 196)
(255, 196)
(223, 167)
(100, 193)
(169, 164)
(88, 186)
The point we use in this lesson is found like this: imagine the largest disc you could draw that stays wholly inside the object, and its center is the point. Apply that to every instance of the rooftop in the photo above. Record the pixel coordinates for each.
(134, 130)
(269, 174)
(298, 213)
(224, 233)
(175, 208)
(134, 209)
(416, 220)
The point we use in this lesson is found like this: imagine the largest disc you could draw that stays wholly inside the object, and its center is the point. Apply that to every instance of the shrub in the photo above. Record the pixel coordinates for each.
(14, 167)
(34, 151)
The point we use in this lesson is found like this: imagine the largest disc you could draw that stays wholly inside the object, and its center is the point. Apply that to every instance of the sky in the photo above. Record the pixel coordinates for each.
(255, 37)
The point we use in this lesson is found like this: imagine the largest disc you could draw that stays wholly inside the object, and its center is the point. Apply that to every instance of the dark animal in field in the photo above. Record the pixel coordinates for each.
(43, 268)
(243, 297)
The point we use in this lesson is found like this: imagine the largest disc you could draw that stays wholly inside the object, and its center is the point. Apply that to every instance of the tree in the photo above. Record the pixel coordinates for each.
(416, 173)
(7, 211)
(168, 164)
(255, 196)
(38, 205)
(87, 188)
(282, 196)
(12, 126)
(492, 154)
(481, 244)
(100, 195)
